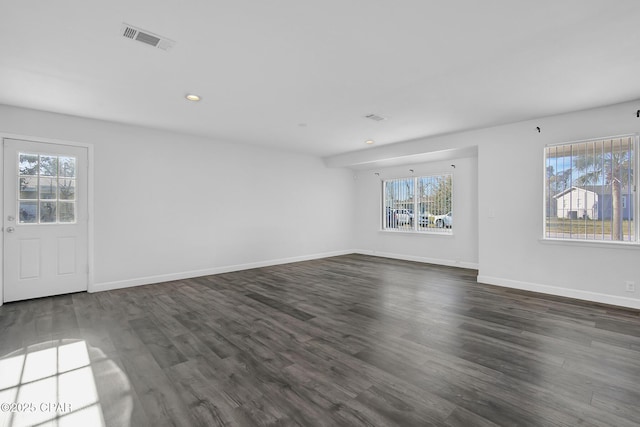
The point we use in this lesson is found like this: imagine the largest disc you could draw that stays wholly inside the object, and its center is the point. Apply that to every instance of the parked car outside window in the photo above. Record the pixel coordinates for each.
(404, 217)
(424, 219)
(443, 221)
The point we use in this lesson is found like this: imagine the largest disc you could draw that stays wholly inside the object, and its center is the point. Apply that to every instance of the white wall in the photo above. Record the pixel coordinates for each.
(141, 236)
(459, 249)
(169, 206)
(510, 248)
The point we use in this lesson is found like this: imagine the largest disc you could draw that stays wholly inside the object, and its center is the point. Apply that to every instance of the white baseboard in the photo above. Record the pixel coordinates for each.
(562, 292)
(497, 281)
(148, 280)
(438, 261)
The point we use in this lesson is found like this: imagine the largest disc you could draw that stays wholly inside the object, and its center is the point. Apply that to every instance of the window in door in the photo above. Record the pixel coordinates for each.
(47, 189)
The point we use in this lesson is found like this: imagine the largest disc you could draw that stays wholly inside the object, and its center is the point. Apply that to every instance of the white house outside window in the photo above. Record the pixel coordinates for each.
(590, 190)
(418, 204)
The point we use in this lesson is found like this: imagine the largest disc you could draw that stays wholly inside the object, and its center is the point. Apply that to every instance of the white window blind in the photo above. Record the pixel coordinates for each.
(418, 204)
(590, 190)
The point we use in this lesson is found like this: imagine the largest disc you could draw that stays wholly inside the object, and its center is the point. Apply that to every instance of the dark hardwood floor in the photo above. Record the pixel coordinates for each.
(350, 340)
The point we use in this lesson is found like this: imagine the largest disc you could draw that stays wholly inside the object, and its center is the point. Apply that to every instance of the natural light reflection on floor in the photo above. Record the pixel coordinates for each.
(54, 384)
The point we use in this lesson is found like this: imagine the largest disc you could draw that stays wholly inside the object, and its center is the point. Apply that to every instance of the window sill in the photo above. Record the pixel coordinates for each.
(590, 243)
(418, 233)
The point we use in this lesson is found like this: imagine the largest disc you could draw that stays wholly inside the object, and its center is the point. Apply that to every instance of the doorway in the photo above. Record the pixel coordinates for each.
(45, 224)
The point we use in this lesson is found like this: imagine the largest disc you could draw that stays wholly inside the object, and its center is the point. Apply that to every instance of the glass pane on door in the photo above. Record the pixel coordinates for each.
(28, 187)
(67, 167)
(28, 164)
(67, 212)
(47, 212)
(28, 212)
(47, 189)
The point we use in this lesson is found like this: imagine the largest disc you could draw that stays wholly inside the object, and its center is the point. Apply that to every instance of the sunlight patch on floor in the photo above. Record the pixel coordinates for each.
(54, 384)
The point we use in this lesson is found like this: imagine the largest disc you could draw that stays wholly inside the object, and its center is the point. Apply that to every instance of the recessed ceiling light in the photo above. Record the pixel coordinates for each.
(192, 97)
(369, 141)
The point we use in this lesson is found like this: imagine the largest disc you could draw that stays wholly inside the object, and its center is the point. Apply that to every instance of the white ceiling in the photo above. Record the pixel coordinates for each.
(301, 75)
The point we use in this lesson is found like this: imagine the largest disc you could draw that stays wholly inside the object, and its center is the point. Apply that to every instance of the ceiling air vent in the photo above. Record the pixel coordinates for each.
(375, 117)
(146, 37)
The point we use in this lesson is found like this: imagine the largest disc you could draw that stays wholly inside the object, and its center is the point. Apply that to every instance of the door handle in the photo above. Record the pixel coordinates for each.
(10, 229)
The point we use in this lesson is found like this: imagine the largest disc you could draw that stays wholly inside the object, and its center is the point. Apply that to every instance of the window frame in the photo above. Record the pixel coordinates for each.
(634, 184)
(38, 200)
(415, 229)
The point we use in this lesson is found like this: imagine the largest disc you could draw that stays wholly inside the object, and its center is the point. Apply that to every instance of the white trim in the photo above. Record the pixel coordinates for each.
(31, 138)
(438, 261)
(90, 197)
(562, 292)
(3, 216)
(591, 243)
(148, 280)
(446, 232)
(90, 216)
(580, 141)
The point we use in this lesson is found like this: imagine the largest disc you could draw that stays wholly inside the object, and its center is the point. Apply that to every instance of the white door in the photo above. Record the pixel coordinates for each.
(45, 219)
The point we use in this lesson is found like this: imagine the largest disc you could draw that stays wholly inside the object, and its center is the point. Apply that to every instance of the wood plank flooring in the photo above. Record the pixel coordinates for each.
(350, 340)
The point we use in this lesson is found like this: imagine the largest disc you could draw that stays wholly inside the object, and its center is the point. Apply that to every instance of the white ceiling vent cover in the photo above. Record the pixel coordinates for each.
(146, 37)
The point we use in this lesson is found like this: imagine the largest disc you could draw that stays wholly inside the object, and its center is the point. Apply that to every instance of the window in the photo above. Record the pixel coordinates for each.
(422, 204)
(47, 189)
(590, 190)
